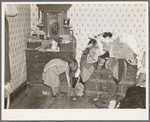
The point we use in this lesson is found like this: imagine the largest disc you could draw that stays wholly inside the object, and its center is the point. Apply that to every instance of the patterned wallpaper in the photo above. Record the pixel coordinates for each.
(92, 19)
(87, 20)
(19, 27)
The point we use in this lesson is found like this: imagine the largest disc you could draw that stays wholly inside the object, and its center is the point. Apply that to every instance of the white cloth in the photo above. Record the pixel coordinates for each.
(10, 10)
(94, 53)
(79, 89)
(131, 41)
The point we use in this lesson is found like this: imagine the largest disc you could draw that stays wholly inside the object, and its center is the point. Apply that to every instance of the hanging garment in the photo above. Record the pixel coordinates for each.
(93, 55)
(10, 10)
(122, 51)
(144, 60)
(120, 68)
(86, 73)
(116, 66)
(130, 41)
(7, 60)
(83, 61)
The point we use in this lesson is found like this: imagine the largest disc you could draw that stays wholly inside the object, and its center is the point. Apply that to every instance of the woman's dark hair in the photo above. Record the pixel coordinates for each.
(107, 34)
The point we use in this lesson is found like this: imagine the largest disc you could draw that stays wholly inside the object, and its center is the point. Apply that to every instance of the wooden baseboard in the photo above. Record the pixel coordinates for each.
(14, 95)
(37, 87)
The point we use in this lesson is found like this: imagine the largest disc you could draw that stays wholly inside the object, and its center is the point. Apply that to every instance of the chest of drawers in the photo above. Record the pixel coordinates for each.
(36, 60)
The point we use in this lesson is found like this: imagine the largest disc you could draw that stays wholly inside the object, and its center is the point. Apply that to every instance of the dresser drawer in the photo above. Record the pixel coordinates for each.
(35, 77)
(36, 66)
(47, 56)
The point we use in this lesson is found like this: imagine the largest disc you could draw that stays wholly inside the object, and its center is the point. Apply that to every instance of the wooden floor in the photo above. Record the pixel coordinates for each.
(36, 100)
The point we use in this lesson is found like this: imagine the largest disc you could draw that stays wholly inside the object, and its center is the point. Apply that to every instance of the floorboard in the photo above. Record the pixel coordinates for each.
(36, 100)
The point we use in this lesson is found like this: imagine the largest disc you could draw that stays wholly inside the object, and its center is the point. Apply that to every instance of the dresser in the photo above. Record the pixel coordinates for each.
(36, 60)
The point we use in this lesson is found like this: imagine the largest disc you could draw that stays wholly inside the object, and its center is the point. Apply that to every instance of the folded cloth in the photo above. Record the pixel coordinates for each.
(45, 92)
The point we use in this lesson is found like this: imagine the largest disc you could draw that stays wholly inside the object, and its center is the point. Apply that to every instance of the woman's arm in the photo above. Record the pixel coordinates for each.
(68, 78)
(52, 65)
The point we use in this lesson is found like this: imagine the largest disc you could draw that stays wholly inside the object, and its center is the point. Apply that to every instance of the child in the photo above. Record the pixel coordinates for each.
(53, 69)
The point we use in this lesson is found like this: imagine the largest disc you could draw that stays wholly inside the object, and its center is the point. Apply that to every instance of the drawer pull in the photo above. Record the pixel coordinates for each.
(36, 66)
(36, 56)
(36, 77)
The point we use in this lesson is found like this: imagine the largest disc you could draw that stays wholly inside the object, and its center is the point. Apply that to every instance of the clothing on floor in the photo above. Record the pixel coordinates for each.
(135, 98)
(79, 89)
(141, 81)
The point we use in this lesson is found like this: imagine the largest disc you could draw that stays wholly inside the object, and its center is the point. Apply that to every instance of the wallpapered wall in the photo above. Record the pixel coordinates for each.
(91, 19)
(19, 27)
(87, 20)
